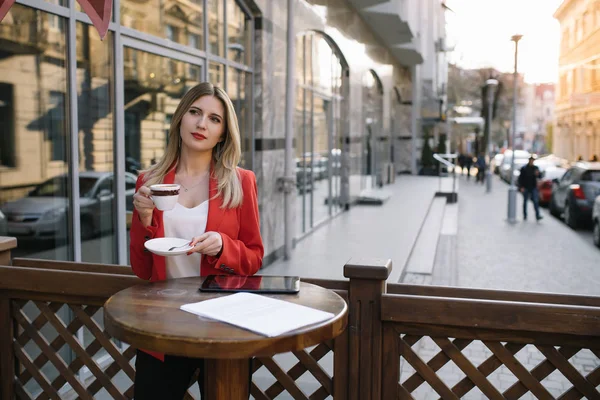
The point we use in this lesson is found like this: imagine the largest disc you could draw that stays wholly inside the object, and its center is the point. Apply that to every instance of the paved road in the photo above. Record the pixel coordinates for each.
(547, 256)
(585, 233)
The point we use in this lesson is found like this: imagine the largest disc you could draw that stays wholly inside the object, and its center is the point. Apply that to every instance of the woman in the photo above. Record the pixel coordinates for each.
(217, 209)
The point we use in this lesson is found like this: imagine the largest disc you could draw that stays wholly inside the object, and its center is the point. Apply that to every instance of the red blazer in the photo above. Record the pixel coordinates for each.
(239, 227)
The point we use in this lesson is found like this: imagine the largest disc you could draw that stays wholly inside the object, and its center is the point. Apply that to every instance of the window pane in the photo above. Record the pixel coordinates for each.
(34, 190)
(238, 89)
(216, 74)
(305, 180)
(64, 3)
(216, 29)
(180, 22)
(151, 96)
(96, 144)
(239, 34)
(320, 157)
(323, 60)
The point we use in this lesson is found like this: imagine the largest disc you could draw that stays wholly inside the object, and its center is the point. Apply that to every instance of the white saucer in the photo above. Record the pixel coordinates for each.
(161, 246)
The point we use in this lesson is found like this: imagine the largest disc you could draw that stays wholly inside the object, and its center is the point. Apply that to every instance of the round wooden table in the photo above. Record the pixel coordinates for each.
(147, 316)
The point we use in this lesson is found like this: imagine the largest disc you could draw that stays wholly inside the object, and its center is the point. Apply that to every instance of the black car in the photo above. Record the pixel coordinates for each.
(574, 194)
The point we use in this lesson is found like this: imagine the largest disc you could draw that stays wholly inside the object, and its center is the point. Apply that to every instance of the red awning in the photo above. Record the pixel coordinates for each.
(99, 12)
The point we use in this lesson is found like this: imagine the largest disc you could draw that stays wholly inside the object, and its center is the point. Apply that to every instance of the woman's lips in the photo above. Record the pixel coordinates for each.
(198, 136)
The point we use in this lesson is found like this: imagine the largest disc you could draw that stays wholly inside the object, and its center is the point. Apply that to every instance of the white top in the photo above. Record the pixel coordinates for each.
(185, 223)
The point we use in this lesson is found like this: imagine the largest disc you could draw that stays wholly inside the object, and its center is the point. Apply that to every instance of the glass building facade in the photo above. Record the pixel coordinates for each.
(84, 115)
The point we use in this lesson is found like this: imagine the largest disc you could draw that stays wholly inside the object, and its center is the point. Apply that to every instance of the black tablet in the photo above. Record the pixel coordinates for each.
(254, 283)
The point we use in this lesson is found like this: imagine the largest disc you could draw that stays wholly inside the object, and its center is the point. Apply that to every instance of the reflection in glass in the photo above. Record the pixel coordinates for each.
(153, 87)
(216, 74)
(320, 158)
(303, 177)
(324, 63)
(372, 94)
(180, 21)
(95, 107)
(317, 131)
(33, 132)
(307, 160)
(238, 34)
(300, 60)
(216, 28)
(238, 89)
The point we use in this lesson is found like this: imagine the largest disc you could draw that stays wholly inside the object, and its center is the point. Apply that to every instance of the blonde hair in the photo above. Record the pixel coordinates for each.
(226, 154)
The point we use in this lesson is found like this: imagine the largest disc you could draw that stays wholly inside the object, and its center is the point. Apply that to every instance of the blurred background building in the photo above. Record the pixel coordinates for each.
(577, 127)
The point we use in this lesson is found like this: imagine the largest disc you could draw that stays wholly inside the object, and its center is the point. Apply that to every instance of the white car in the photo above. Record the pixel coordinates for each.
(596, 221)
(497, 162)
(521, 158)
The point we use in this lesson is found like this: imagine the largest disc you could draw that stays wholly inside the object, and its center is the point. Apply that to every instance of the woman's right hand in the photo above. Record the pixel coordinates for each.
(143, 204)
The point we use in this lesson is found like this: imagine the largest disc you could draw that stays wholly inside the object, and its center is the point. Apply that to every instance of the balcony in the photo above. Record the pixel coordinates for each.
(22, 39)
(394, 24)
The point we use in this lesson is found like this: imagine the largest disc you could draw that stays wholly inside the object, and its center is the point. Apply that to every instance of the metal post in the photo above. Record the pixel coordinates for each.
(289, 133)
(415, 116)
(512, 190)
(491, 84)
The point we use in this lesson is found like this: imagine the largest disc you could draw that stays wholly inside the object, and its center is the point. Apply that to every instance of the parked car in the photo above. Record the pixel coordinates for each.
(596, 221)
(43, 212)
(521, 158)
(574, 194)
(304, 177)
(549, 174)
(497, 162)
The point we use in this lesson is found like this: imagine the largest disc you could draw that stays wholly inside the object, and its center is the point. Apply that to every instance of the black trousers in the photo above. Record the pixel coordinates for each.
(168, 380)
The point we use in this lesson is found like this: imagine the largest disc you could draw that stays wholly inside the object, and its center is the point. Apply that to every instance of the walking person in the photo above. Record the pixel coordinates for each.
(480, 164)
(468, 164)
(528, 178)
(217, 211)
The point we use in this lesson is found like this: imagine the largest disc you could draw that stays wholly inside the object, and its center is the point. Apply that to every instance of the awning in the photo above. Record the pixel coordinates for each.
(99, 12)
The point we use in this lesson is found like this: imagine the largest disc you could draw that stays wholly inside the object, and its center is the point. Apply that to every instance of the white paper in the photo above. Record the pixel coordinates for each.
(260, 314)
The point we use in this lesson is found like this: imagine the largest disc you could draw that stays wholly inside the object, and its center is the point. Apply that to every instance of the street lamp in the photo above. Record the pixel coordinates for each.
(512, 190)
(491, 84)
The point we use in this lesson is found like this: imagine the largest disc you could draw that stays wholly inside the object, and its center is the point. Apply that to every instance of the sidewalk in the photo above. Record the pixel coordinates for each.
(386, 231)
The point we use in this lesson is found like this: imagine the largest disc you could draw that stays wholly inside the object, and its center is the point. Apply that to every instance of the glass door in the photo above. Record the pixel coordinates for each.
(320, 156)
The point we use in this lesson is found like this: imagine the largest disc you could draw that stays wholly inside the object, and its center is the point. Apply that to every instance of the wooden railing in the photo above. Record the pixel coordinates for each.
(402, 341)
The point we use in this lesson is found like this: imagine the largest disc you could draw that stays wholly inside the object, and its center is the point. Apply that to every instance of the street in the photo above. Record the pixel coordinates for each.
(586, 235)
(545, 256)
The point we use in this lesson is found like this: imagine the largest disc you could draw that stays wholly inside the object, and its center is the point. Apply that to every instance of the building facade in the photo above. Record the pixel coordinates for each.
(577, 126)
(539, 116)
(80, 116)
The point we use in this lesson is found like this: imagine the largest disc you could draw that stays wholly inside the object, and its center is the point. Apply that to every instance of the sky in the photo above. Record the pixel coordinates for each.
(480, 32)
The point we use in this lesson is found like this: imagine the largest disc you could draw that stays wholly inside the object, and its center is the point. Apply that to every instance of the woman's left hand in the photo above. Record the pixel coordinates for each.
(209, 243)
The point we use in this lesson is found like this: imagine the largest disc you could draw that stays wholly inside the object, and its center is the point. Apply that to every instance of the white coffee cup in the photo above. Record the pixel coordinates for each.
(165, 195)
